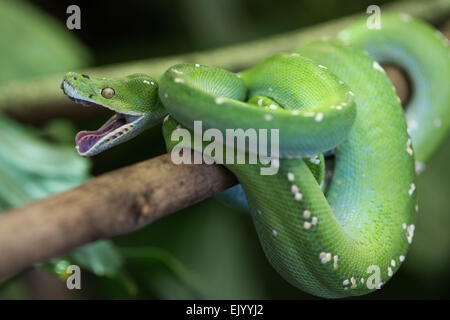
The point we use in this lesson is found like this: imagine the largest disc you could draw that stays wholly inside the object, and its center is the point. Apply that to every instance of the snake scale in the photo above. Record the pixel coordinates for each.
(326, 237)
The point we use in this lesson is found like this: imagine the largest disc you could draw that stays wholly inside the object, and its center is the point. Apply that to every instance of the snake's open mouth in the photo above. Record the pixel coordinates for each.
(118, 128)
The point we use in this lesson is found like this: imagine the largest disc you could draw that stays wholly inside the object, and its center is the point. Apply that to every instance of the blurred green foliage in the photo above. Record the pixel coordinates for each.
(210, 250)
(25, 35)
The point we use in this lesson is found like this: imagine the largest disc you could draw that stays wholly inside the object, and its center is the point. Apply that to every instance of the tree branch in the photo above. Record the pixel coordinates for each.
(115, 203)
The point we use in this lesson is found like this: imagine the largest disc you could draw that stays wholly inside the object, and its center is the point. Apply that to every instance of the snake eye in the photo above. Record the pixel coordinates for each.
(85, 76)
(108, 93)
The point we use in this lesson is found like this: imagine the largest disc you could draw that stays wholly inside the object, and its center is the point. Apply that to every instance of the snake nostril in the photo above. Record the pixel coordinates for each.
(85, 76)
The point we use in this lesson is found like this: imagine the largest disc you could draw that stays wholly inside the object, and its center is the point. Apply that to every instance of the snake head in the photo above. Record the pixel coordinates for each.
(134, 100)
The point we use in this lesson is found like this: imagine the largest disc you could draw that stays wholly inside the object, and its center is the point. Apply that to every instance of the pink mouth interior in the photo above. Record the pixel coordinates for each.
(85, 140)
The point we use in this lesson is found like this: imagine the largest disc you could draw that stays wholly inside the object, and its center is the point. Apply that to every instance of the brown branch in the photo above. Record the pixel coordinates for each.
(112, 204)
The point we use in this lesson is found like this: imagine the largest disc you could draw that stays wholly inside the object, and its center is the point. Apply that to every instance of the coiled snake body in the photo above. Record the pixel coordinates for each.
(328, 238)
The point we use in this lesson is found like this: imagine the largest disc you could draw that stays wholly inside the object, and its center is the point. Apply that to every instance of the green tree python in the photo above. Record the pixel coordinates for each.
(327, 238)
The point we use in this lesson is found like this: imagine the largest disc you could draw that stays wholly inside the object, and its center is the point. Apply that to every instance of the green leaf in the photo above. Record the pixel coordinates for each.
(101, 258)
(163, 274)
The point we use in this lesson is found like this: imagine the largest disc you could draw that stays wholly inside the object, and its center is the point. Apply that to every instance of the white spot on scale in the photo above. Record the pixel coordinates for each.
(319, 117)
(411, 189)
(178, 80)
(307, 225)
(377, 66)
(274, 232)
(197, 65)
(437, 123)
(321, 66)
(393, 262)
(314, 159)
(306, 214)
(408, 147)
(390, 273)
(314, 221)
(260, 102)
(298, 196)
(268, 117)
(410, 233)
(296, 55)
(325, 257)
(290, 176)
(335, 261)
(401, 258)
(273, 106)
(220, 100)
(177, 71)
